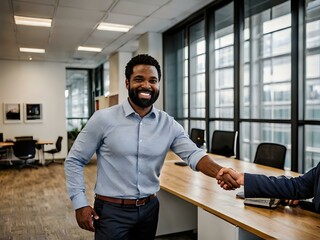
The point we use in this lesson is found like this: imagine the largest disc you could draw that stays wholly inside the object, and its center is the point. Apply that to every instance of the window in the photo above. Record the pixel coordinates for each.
(266, 92)
(312, 85)
(256, 72)
(222, 64)
(197, 61)
(77, 100)
(312, 73)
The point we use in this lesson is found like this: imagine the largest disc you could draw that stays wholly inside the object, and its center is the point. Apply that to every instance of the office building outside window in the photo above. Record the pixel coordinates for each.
(312, 84)
(77, 97)
(266, 84)
(261, 75)
(221, 82)
(197, 90)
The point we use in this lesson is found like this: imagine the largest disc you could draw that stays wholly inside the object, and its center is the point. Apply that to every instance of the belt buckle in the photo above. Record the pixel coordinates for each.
(140, 204)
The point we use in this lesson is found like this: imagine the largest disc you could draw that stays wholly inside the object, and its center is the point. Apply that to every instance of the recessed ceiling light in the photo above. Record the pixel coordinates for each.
(33, 50)
(114, 27)
(39, 22)
(89, 49)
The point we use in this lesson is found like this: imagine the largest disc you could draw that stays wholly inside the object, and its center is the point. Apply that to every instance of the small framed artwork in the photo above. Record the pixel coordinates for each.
(12, 113)
(33, 112)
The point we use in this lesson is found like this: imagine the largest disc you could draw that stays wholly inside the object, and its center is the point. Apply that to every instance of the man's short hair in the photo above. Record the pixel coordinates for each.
(142, 59)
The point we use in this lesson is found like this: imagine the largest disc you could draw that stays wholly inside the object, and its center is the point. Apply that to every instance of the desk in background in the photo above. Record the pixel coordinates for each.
(41, 144)
(8, 146)
(190, 200)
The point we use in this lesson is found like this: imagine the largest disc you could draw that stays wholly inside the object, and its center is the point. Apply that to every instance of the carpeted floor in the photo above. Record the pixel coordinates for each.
(35, 205)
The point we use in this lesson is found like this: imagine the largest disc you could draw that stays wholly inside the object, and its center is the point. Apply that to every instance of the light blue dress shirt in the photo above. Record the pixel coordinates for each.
(130, 152)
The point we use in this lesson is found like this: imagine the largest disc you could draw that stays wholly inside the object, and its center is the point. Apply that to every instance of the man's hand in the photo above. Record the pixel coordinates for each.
(227, 181)
(84, 218)
(291, 202)
(210, 168)
(237, 176)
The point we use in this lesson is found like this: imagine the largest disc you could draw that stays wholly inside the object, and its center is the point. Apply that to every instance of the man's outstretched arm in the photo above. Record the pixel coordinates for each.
(210, 168)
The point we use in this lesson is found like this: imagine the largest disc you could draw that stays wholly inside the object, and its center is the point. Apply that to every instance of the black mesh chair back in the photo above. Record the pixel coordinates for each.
(22, 138)
(271, 154)
(197, 136)
(25, 150)
(2, 150)
(224, 143)
(55, 150)
(58, 143)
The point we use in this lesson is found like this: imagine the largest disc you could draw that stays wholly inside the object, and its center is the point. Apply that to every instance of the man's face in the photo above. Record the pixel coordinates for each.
(143, 86)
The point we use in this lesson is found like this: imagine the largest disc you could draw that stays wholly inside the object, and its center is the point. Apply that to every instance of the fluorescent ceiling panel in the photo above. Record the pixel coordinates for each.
(38, 22)
(32, 50)
(89, 49)
(114, 27)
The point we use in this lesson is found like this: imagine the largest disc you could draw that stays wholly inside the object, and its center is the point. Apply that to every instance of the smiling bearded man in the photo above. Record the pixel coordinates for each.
(131, 141)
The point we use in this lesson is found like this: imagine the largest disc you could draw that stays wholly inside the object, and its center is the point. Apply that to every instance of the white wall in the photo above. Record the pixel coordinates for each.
(35, 82)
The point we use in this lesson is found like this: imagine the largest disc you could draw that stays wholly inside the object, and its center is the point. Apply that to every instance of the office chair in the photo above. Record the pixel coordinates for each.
(25, 150)
(22, 138)
(55, 150)
(197, 136)
(3, 150)
(224, 143)
(271, 154)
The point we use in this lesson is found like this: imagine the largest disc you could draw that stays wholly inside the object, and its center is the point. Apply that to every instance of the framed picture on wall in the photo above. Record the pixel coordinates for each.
(12, 113)
(33, 112)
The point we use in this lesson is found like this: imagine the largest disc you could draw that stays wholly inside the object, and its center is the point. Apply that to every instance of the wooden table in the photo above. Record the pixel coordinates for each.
(41, 143)
(218, 213)
(6, 144)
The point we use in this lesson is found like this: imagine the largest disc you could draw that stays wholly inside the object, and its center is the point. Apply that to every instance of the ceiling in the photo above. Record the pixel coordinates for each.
(74, 23)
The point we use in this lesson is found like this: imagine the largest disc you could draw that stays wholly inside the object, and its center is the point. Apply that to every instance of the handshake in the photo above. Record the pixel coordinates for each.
(229, 179)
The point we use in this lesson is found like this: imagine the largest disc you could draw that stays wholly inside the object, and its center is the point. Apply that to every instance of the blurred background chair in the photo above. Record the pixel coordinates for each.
(197, 136)
(271, 154)
(3, 150)
(55, 150)
(25, 150)
(21, 138)
(224, 143)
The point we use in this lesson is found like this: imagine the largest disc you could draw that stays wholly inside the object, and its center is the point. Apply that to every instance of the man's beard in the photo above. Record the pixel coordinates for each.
(134, 96)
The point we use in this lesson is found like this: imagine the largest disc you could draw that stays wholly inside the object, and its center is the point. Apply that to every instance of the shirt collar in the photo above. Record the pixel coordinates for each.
(128, 110)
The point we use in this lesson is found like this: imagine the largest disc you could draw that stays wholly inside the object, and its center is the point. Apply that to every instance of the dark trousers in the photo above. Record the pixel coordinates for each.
(123, 222)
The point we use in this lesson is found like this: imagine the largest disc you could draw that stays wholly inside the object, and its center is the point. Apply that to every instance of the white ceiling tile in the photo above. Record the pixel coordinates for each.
(75, 21)
(99, 5)
(154, 24)
(33, 10)
(44, 2)
(123, 18)
(81, 16)
(151, 2)
(34, 37)
(134, 8)
(4, 8)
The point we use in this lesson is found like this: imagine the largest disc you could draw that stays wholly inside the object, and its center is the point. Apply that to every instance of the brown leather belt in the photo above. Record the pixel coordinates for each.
(131, 202)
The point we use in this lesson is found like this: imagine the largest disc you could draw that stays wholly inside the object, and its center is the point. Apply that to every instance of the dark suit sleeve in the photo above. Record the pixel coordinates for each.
(262, 186)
